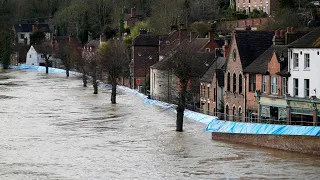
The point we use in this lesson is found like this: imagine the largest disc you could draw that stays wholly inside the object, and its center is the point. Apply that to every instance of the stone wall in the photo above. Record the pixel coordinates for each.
(302, 144)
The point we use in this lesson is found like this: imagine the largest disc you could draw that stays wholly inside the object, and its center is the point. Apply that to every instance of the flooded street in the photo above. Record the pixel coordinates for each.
(53, 128)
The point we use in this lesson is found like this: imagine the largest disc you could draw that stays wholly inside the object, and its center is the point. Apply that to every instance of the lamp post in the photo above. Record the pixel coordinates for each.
(131, 73)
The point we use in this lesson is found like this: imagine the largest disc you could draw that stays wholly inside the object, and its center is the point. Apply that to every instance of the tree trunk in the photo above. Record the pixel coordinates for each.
(84, 79)
(114, 91)
(67, 72)
(47, 66)
(95, 84)
(181, 106)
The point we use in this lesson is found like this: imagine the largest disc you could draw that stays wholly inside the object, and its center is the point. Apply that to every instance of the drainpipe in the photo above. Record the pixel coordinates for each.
(245, 96)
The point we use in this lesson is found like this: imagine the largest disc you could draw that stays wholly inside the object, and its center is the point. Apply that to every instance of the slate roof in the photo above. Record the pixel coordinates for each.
(28, 27)
(310, 40)
(146, 40)
(217, 64)
(260, 65)
(198, 43)
(251, 44)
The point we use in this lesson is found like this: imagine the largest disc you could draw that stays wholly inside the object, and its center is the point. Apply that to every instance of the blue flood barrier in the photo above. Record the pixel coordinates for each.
(213, 124)
(253, 128)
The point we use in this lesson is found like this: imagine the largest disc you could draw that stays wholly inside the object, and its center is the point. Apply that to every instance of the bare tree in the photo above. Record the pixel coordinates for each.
(92, 63)
(46, 50)
(114, 61)
(80, 63)
(184, 66)
(64, 52)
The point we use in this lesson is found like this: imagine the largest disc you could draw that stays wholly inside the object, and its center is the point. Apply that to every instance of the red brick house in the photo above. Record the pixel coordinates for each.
(266, 79)
(132, 18)
(145, 53)
(245, 47)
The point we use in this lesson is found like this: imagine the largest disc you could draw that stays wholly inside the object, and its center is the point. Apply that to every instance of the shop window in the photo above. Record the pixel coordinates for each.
(295, 60)
(306, 88)
(228, 81)
(227, 112)
(240, 83)
(274, 85)
(234, 82)
(252, 82)
(295, 87)
(264, 84)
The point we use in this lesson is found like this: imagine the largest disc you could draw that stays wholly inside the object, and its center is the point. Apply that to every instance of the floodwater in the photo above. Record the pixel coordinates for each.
(53, 128)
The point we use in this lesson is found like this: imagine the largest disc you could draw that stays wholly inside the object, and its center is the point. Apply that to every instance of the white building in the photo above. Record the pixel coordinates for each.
(38, 59)
(303, 65)
(23, 31)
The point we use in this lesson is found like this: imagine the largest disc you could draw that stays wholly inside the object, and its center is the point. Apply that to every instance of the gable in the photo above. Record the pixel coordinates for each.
(273, 65)
(233, 63)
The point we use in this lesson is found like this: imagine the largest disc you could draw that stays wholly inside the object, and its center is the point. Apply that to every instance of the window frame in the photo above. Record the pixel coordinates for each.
(228, 81)
(295, 87)
(264, 84)
(306, 61)
(306, 89)
(284, 86)
(234, 83)
(274, 85)
(295, 63)
(252, 82)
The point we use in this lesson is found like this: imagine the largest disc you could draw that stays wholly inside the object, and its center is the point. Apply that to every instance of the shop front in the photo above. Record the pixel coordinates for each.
(273, 110)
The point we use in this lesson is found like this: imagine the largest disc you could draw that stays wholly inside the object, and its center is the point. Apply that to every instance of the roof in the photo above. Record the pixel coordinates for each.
(260, 65)
(28, 27)
(251, 44)
(217, 64)
(165, 63)
(310, 40)
(93, 43)
(146, 40)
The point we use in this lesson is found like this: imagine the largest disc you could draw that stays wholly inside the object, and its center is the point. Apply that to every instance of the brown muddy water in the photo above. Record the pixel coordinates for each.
(53, 128)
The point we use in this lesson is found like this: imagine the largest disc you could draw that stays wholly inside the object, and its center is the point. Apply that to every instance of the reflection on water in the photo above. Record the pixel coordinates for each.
(53, 128)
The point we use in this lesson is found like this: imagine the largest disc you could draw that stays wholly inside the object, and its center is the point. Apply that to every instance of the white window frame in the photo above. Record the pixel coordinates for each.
(306, 61)
(284, 86)
(295, 60)
(264, 83)
(207, 49)
(295, 87)
(274, 84)
(306, 89)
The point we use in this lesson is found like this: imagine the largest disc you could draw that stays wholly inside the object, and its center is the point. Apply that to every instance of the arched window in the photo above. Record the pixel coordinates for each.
(240, 83)
(227, 112)
(234, 82)
(234, 113)
(240, 114)
(228, 81)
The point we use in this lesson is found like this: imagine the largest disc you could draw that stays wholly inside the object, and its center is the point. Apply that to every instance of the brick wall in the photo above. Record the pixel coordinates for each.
(233, 99)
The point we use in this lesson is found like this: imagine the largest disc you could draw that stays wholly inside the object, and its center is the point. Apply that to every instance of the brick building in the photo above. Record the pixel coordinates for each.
(145, 53)
(245, 47)
(267, 77)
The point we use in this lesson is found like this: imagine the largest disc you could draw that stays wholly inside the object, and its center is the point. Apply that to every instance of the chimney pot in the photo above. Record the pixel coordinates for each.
(133, 12)
(276, 33)
(292, 29)
(288, 29)
(281, 33)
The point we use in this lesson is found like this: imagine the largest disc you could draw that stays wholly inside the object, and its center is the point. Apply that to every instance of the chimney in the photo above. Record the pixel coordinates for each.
(102, 38)
(278, 39)
(34, 27)
(133, 12)
(211, 36)
(225, 48)
(193, 35)
(183, 34)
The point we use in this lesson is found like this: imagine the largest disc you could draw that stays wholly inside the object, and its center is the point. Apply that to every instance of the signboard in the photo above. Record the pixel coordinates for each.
(297, 104)
(137, 81)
